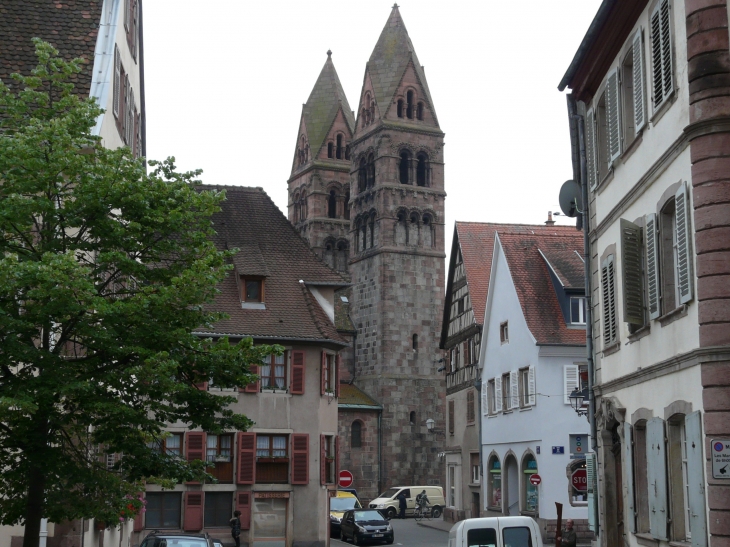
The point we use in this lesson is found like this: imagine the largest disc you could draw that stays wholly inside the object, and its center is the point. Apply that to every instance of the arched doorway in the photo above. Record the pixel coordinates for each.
(511, 490)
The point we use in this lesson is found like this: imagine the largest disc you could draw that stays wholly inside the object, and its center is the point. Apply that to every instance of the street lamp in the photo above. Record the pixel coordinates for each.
(429, 425)
(576, 401)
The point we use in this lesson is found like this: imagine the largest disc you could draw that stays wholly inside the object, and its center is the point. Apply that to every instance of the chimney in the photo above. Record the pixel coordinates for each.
(549, 221)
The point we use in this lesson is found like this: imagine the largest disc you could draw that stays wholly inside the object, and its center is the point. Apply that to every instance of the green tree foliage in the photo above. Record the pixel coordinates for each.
(105, 272)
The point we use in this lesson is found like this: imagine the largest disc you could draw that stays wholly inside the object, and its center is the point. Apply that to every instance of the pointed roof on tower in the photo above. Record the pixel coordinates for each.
(390, 59)
(321, 108)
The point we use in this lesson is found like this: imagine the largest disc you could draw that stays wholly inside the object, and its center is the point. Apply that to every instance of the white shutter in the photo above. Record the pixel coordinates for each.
(485, 399)
(684, 237)
(591, 469)
(117, 83)
(696, 478)
(514, 389)
(639, 83)
(612, 114)
(570, 381)
(498, 394)
(590, 136)
(656, 470)
(609, 300)
(532, 387)
(628, 467)
(652, 267)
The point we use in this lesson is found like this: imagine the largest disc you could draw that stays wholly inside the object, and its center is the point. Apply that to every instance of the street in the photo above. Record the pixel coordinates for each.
(410, 534)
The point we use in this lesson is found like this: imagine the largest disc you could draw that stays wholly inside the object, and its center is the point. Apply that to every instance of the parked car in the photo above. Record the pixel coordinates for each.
(361, 525)
(172, 539)
(338, 505)
(388, 504)
(496, 532)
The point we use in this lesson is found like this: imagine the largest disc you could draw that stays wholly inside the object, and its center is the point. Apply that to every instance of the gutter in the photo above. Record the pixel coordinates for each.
(269, 337)
(360, 407)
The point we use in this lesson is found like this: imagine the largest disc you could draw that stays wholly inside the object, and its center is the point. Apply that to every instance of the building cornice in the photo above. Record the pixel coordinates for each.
(395, 250)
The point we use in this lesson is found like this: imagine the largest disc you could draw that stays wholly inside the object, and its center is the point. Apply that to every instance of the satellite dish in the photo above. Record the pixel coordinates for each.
(570, 198)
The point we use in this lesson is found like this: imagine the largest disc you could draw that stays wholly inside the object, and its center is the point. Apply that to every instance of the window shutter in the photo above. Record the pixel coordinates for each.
(661, 52)
(639, 83)
(122, 101)
(246, 458)
(322, 459)
(202, 386)
(128, 136)
(451, 417)
(656, 464)
(337, 459)
(652, 267)
(628, 466)
(514, 389)
(338, 360)
(322, 370)
(498, 394)
(591, 149)
(684, 237)
(631, 269)
(117, 80)
(570, 381)
(253, 387)
(531, 384)
(612, 112)
(591, 478)
(485, 398)
(470, 406)
(139, 517)
(135, 29)
(300, 458)
(243, 504)
(195, 446)
(193, 511)
(696, 478)
(297, 373)
(609, 301)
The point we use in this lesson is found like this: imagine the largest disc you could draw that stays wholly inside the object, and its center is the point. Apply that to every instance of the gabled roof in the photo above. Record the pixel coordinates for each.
(269, 246)
(568, 265)
(532, 282)
(352, 396)
(71, 26)
(320, 110)
(389, 60)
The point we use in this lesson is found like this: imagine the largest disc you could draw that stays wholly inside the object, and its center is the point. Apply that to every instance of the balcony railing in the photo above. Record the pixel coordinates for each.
(461, 376)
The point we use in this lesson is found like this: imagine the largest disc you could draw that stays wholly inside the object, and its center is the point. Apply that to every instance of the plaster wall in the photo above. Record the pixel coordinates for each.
(465, 436)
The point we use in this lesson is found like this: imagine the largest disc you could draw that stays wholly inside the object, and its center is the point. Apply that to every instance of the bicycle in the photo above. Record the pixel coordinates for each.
(423, 512)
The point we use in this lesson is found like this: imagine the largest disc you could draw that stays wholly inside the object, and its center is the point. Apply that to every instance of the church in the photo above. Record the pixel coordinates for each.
(367, 193)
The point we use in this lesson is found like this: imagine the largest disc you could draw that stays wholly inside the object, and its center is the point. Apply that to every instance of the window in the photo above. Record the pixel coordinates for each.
(272, 462)
(362, 175)
(356, 434)
(421, 169)
(632, 270)
(601, 149)
(470, 411)
(371, 171)
(530, 491)
(491, 398)
(414, 342)
(329, 456)
(419, 111)
(633, 90)
(504, 332)
(474, 461)
(404, 167)
(332, 204)
(347, 204)
(577, 310)
(163, 509)
(330, 150)
(527, 387)
(608, 287)
(661, 53)
(338, 151)
(218, 509)
(494, 483)
(219, 452)
(273, 371)
(481, 536)
(412, 417)
(574, 377)
(253, 289)
(506, 399)
(171, 444)
(399, 108)
(409, 105)
(641, 483)
(679, 483)
(329, 374)
(451, 417)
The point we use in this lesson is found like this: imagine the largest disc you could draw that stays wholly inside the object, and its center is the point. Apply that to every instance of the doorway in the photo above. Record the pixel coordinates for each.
(511, 505)
(475, 507)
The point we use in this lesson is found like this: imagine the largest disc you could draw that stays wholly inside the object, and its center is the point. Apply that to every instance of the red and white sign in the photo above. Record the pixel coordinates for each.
(535, 479)
(579, 479)
(346, 479)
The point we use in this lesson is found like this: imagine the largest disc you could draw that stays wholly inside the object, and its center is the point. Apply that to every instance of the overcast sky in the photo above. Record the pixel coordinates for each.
(226, 79)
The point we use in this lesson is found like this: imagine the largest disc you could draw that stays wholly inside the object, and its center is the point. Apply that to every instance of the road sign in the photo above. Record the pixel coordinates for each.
(535, 479)
(721, 459)
(578, 445)
(346, 479)
(579, 479)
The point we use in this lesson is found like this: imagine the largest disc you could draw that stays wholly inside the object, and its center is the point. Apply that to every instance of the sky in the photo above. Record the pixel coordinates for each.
(225, 81)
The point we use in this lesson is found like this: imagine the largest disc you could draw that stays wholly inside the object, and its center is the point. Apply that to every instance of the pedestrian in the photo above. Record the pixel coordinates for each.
(402, 504)
(235, 523)
(568, 537)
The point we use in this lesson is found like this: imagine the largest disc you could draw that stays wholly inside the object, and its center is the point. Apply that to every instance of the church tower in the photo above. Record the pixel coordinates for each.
(319, 185)
(397, 256)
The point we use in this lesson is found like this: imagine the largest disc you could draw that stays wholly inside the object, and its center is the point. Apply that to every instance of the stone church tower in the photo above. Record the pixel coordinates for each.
(392, 214)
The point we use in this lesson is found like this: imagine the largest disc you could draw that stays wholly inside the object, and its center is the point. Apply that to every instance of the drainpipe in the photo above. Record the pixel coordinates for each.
(43, 535)
(478, 387)
(380, 451)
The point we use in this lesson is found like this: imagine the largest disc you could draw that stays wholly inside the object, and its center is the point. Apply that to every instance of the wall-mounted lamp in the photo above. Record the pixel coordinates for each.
(576, 401)
(430, 423)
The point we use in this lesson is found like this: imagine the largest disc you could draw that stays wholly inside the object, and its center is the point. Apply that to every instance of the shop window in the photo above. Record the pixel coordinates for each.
(163, 510)
(269, 521)
(218, 509)
(494, 483)
(219, 452)
(272, 458)
(530, 497)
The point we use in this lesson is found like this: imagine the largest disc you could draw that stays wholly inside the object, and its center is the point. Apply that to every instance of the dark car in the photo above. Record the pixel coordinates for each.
(361, 525)
(172, 539)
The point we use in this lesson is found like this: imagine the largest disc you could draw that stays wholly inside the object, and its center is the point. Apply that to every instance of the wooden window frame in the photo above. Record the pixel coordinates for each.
(262, 289)
(504, 332)
(271, 468)
(272, 385)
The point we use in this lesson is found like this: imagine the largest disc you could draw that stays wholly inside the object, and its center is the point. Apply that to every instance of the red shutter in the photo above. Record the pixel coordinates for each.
(243, 504)
(194, 448)
(297, 373)
(253, 387)
(193, 511)
(322, 459)
(246, 458)
(300, 458)
(139, 518)
(202, 386)
(337, 460)
(338, 361)
(322, 368)
(122, 101)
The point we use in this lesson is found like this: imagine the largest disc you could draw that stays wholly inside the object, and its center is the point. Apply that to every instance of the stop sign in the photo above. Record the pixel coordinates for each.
(535, 479)
(579, 479)
(345, 479)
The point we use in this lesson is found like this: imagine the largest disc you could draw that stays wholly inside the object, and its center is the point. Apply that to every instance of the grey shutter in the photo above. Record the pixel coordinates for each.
(631, 271)
(696, 478)
(514, 389)
(652, 267)
(656, 464)
(117, 82)
(532, 387)
(591, 478)
(498, 394)
(684, 237)
(628, 467)
(639, 83)
(612, 114)
(485, 398)
(661, 53)
(609, 300)
(591, 149)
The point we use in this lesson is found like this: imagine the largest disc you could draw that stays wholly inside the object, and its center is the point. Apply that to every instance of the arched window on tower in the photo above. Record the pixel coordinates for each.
(372, 111)
(329, 149)
(347, 205)
(427, 230)
(338, 152)
(404, 167)
(303, 207)
(342, 256)
(362, 117)
(371, 170)
(371, 225)
(295, 208)
(399, 109)
(415, 342)
(409, 105)
(364, 233)
(400, 228)
(413, 229)
(347, 152)
(332, 204)
(358, 242)
(329, 254)
(419, 111)
(422, 170)
(362, 175)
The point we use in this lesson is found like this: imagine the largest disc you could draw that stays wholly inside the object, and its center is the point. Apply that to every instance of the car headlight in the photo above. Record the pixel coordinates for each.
(360, 528)
(381, 506)
(389, 528)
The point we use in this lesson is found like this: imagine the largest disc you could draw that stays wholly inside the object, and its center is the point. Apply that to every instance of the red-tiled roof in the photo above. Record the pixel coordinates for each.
(531, 278)
(269, 246)
(71, 26)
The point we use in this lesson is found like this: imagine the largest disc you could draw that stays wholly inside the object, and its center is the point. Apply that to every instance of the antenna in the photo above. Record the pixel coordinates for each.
(570, 199)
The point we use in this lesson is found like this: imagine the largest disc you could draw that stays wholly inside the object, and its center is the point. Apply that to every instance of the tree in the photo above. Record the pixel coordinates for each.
(105, 272)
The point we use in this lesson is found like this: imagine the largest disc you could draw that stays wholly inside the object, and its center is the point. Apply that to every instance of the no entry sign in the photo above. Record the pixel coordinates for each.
(535, 479)
(579, 480)
(345, 479)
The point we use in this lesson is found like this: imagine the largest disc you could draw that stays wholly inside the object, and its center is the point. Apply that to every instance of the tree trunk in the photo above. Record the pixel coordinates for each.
(34, 507)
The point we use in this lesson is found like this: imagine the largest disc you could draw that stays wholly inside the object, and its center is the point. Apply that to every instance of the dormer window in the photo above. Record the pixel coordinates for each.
(252, 292)
(577, 310)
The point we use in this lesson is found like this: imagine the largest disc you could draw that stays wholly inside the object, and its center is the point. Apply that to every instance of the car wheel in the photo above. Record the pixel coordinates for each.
(436, 513)
(356, 540)
(389, 541)
(343, 537)
(390, 513)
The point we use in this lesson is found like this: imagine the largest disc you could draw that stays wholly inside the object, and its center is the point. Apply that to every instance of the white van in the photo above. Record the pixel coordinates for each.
(388, 504)
(496, 532)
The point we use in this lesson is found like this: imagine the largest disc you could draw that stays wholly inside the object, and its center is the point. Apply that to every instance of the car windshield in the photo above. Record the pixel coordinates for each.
(389, 493)
(366, 516)
(183, 542)
(343, 504)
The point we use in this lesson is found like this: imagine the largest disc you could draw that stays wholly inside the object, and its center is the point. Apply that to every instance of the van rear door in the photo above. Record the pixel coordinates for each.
(516, 535)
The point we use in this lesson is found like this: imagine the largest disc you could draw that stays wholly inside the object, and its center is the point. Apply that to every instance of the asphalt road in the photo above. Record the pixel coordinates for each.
(409, 534)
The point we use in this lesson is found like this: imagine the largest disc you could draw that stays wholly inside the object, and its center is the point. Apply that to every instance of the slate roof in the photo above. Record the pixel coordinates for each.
(71, 26)
(389, 60)
(567, 264)
(321, 108)
(531, 278)
(270, 246)
(352, 395)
